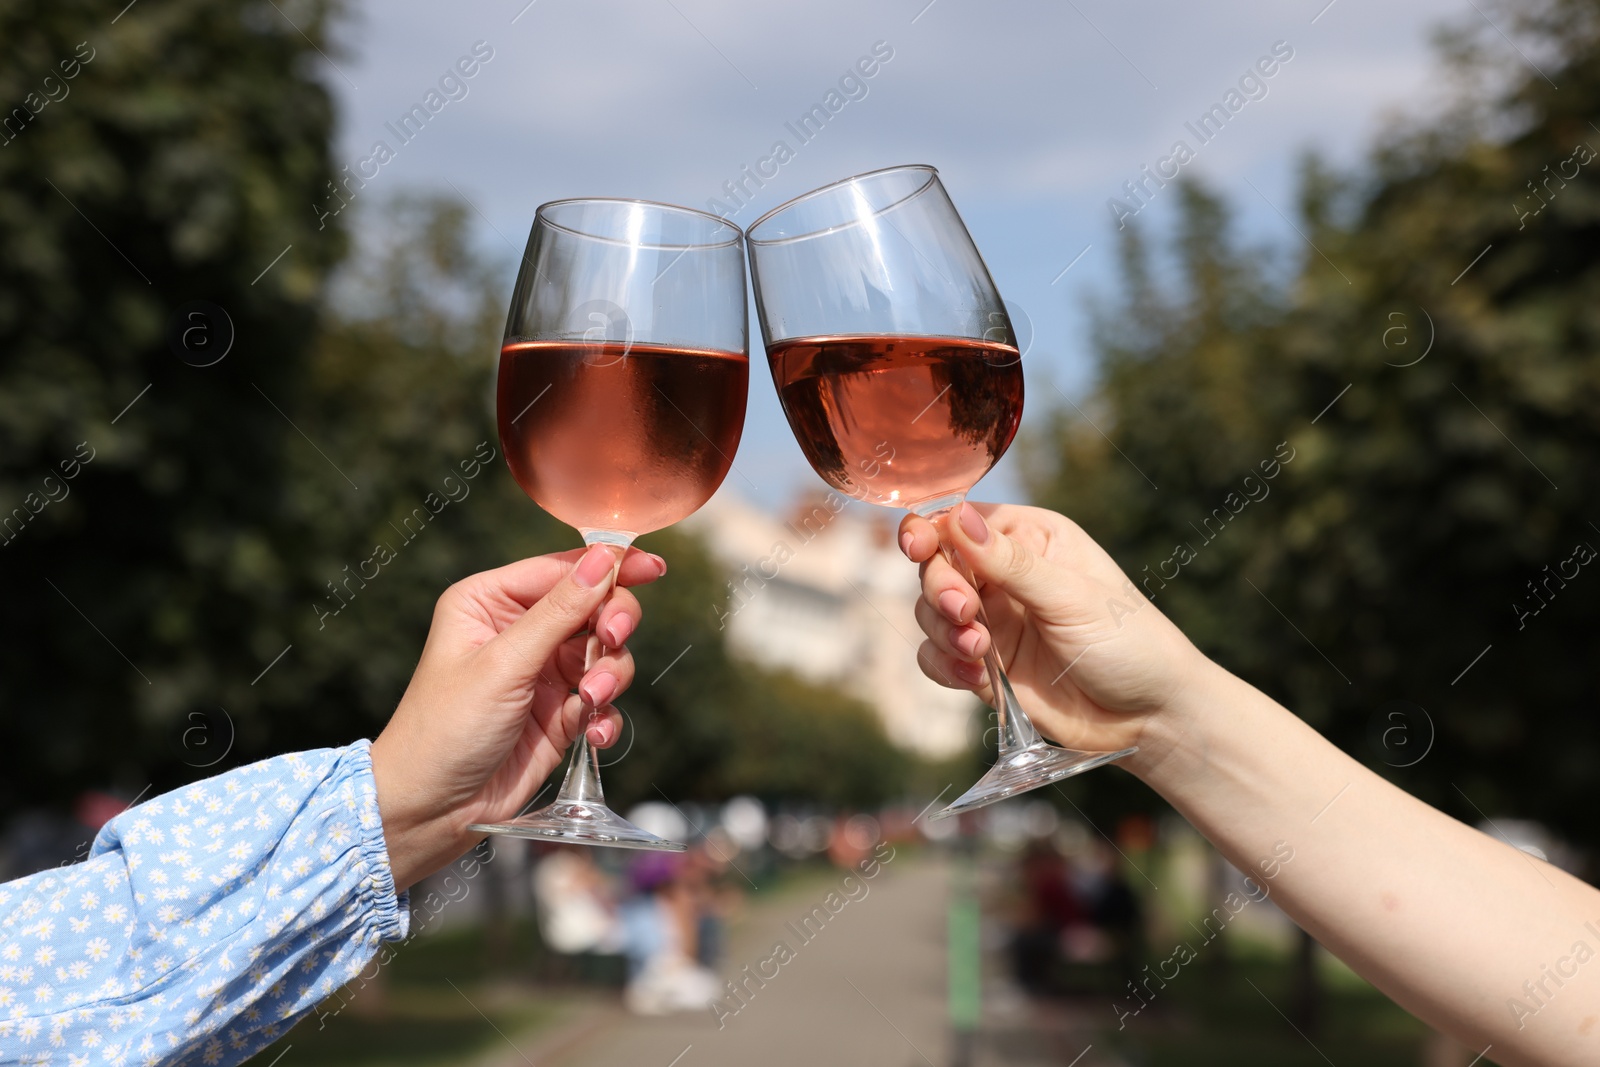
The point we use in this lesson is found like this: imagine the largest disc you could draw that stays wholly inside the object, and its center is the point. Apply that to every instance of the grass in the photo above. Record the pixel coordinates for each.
(445, 998)
(1215, 1018)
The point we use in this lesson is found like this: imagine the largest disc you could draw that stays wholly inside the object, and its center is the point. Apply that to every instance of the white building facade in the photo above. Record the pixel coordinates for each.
(825, 593)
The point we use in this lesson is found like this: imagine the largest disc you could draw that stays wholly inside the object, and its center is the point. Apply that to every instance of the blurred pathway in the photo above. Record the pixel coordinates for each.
(867, 988)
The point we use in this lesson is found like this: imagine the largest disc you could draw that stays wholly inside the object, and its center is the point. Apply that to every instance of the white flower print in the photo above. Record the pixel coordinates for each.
(270, 841)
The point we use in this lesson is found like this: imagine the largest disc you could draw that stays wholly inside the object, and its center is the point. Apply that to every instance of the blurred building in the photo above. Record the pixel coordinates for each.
(824, 592)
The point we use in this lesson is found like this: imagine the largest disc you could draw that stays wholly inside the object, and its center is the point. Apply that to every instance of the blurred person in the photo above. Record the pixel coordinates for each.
(662, 931)
(1050, 910)
(714, 895)
(1113, 908)
(206, 921)
(1460, 929)
(577, 912)
(851, 840)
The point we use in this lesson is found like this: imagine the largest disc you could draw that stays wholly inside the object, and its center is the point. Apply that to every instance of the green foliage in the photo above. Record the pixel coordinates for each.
(253, 553)
(1218, 1020)
(176, 164)
(1421, 503)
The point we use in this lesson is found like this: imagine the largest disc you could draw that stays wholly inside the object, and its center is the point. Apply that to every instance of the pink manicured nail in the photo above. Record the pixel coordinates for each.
(618, 629)
(661, 564)
(598, 688)
(906, 541)
(594, 567)
(972, 523)
(599, 734)
(952, 604)
(971, 673)
(966, 639)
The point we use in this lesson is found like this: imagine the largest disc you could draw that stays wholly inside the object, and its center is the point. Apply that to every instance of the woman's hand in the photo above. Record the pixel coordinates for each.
(1090, 658)
(490, 709)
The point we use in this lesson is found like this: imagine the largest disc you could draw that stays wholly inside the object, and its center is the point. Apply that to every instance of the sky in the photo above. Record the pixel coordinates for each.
(1035, 113)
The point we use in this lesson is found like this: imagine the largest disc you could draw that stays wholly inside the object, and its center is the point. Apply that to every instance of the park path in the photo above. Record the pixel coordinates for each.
(868, 988)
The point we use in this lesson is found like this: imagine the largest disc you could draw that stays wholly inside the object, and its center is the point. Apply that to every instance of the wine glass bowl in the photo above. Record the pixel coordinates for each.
(616, 426)
(899, 372)
(899, 421)
(620, 400)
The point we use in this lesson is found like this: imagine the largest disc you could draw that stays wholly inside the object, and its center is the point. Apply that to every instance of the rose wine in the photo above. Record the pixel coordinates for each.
(899, 420)
(612, 437)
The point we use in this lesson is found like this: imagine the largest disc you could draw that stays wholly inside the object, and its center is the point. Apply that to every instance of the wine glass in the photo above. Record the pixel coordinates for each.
(621, 398)
(899, 371)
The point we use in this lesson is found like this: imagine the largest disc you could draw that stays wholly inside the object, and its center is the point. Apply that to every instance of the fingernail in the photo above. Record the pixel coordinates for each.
(967, 640)
(598, 688)
(618, 629)
(599, 733)
(906, 541)
(972, 523)
(952, 603)
(594, 567)
(971, 673)
(661, 564)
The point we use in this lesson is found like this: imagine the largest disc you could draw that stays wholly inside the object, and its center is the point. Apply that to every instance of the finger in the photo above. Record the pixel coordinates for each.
(998, 560)
(570, 669)
(600, 727)
(611, 674)
(606, 728)
(919, 539)
(640, 568)
(569, 661)
(619, 618)
(501, 596)
(523, 647)
(527, 580)
(943, 587)
(964, 641)
(950, 672)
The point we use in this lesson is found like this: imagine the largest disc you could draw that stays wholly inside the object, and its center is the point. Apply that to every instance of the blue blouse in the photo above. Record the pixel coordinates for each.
(204, 922)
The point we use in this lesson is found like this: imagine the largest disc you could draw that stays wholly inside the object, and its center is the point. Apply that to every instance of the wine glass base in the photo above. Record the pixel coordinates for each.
(1029, 768)
(580, 822)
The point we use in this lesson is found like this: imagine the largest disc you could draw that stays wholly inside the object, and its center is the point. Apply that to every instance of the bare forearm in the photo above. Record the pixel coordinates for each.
(1446, 920)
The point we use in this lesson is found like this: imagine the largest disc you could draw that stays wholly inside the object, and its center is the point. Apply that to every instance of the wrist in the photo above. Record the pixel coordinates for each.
(1175, 745)
(420, 839)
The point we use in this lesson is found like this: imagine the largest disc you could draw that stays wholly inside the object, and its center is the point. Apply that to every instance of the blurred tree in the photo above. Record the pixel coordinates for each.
(1427, 394)
(1432, 402)
(209, 564)
(165, 155)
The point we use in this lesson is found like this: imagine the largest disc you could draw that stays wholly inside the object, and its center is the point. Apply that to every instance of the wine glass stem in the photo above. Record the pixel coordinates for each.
(582, 783)
(1016, 731)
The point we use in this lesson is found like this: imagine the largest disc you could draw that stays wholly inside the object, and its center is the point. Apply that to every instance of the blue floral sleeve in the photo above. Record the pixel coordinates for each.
(204, 922)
